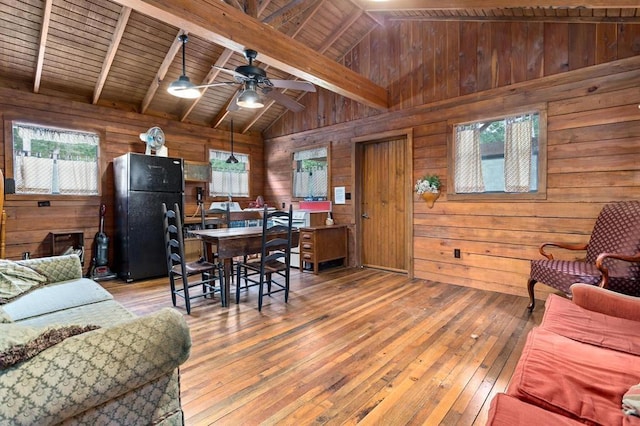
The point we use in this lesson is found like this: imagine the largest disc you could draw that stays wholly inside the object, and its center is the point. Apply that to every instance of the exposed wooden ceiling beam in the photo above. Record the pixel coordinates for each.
(213, 73)
(222, 114)
(263, 6)
(283, 14)
(222, 24)
(408, 5)
(308, 14)
(111, 52)
(162, 71)
(44, 32)
(542, 19)
(344, 26)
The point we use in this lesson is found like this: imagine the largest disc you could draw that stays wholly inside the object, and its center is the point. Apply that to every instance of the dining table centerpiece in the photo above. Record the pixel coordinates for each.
(428, 187)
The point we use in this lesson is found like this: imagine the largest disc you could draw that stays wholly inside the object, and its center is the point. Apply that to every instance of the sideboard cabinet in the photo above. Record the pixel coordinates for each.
(321, 245)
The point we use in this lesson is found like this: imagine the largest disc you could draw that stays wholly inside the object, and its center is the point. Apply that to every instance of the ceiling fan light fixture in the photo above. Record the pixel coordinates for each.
(183, 88)
(249, 98)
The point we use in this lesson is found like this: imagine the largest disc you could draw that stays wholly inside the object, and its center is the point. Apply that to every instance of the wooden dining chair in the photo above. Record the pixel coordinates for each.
(272, 268)
(181, 270)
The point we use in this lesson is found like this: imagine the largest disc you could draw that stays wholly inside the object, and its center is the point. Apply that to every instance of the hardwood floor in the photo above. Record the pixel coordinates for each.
(351, 346)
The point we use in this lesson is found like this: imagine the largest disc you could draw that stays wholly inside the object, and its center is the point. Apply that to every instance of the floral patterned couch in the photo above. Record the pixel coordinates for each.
(71, 354)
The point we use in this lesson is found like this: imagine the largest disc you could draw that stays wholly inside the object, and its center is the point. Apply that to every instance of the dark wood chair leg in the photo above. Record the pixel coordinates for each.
(532, 299)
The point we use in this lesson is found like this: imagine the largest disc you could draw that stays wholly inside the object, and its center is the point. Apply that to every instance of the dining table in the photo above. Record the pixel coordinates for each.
(228, 243)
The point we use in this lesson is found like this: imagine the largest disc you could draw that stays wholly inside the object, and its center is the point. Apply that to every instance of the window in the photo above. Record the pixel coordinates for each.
(310, 173)
(499, 156)
(49, 160)
(228, 178)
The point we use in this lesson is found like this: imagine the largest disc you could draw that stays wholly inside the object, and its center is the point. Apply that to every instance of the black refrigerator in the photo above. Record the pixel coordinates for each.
(142, 183)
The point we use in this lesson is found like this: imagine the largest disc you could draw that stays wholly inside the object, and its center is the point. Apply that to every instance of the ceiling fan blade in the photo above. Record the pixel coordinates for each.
(284, 100)
(232, 72)
(293, 85)
(223, 83)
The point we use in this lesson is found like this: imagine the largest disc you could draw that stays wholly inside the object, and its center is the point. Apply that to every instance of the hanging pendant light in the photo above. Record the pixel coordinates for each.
(183, 87)
(232, 158)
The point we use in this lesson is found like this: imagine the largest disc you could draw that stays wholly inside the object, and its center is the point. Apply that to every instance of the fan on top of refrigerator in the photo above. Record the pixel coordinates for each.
(154, 140)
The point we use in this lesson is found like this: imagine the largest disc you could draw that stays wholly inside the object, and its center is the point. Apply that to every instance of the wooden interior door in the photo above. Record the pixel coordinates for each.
(384, 226)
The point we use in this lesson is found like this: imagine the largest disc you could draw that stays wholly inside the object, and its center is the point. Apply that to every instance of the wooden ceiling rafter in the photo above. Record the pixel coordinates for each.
(162, 71)
(417, 5)
(219, 118)
(221, 24)
(286, 12)
(210, 77)
(44, 33)
(111, 52)
(262, 7)
(222, 114)
(340, 59)
(344, 26)
(540, 19)
(309, 14)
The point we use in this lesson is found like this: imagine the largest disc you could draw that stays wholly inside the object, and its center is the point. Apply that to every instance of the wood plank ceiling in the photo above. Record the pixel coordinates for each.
(124, 53)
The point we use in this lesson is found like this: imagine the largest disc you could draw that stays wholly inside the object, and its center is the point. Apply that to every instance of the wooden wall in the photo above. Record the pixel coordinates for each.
(423, 62)
(28, 226)
(593, 154)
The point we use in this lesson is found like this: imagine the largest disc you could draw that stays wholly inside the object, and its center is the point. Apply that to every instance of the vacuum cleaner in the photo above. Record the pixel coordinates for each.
(99, 270)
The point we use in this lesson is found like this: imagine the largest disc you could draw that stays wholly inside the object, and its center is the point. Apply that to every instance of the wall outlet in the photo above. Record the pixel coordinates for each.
(456, 253)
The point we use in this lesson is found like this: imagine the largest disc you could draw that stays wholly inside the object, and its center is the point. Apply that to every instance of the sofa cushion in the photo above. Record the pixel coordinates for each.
(575, 379)
(564, 317)
(506, 410)
(56, 297)
(105, 314)
(16, 280)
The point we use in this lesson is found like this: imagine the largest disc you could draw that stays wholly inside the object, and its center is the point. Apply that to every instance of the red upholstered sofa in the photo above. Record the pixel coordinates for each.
(577, 365)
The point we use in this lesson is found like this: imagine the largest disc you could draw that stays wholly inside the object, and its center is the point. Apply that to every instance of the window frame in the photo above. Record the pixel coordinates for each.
(326, 145)
(540, 194)
(56, 123)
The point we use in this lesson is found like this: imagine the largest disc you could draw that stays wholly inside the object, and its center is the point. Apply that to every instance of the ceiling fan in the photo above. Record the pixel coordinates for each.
(254, 82)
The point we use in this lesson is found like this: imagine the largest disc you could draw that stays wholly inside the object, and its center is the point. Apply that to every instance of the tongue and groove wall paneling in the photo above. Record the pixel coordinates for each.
(593, 152)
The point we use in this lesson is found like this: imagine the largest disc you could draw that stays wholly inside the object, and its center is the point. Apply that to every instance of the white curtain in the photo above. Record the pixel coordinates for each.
(517, 155)
(77, 177)
(33, 174)
(42, 175)
(468, 162)
(229, 179)
(310, 182)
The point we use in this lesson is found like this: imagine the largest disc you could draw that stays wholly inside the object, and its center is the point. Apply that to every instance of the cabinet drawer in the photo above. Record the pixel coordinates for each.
(306, 236)
(306, 246)
(307, 257)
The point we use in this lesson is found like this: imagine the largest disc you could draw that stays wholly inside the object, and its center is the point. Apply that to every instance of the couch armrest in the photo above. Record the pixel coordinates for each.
(56, 268)
(89, 369)
(598, 299)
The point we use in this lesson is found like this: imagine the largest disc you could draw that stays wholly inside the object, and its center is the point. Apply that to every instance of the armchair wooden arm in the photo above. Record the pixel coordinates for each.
(605, 271)
(605, 301)
(560, 245)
